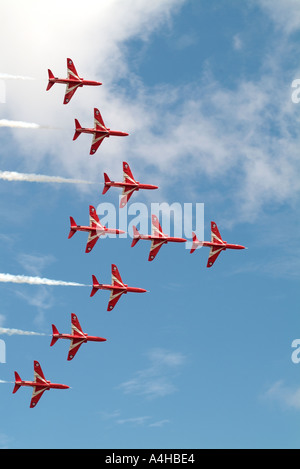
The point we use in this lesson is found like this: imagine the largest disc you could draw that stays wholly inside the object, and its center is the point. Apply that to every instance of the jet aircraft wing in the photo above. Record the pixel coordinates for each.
(155, 247)
(213, 255)
(117, 282)
(41, 384)
(215, 250)
(97, 140)
(72, 72)
(114, 298)
(126, 194)
(70, 90)
(98, 121)
(37, 393)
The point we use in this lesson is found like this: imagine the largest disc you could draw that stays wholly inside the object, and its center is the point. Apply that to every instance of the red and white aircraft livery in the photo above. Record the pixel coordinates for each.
(40, 384)
(129, 184)
(73, 81)
(95, 229)
(100, 131)
(118, 288)
(157, 237)
(77, 337)
(217, 245)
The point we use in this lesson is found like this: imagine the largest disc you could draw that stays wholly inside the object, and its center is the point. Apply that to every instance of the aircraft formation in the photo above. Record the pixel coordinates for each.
(95, 230)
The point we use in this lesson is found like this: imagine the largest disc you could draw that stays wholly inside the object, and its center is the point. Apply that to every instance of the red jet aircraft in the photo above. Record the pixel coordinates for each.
(129, 184)
(118, 288)
(40, 384)
(95, 230)
(99, 131)
(73, 81)
(158, 238)
(216, 244)
(77, 337)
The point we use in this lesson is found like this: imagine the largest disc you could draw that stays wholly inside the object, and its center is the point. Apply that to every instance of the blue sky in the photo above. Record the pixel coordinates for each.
(204, 90)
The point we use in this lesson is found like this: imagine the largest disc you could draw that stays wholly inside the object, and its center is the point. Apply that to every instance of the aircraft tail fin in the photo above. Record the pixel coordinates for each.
(95, 285)
(136, 236)
(106, 180)
(77, 129)
(196, 243)
(54, 332)
(17, 379)
(73, 228)
(51, 77)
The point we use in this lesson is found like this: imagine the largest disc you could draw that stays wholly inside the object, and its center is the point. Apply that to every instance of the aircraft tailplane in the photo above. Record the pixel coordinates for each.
(95, 285)
(17, 386)
(73, 227)
(50, 83)
(136, 236)
(77, 129)
(196, 243)
(106, 187)
(54, 332)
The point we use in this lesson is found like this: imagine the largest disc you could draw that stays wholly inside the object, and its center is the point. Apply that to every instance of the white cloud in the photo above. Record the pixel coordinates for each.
(34, 264)
(4, 440)
(133, 421)
(159, 423)
(115, 416)
(284, 13)
(237, 42)
(289, 397)
(245, 138)
(157, 379)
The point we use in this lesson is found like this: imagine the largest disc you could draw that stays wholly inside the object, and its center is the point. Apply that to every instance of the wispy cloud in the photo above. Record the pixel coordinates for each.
(288, 396)
(157, 379)
(35, 264)
(4, 440)
(159, 423)
(145, 421)
(244, 138)
(237, 42)
(133, 421)
(284, 13)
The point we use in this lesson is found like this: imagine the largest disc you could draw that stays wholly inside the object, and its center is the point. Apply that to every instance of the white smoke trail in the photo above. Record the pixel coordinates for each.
(8, 278)
(6, 76)
(6, 382)
(5, 330)
(18, 124)
(14, 176)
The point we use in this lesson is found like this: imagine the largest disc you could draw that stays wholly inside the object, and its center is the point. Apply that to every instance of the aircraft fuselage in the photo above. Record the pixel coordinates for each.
(130, 185)
(124, 289)
(48, 385)
(221, 245)
(85, 338)
(99, 231)
(72, 81)
(162, 239)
